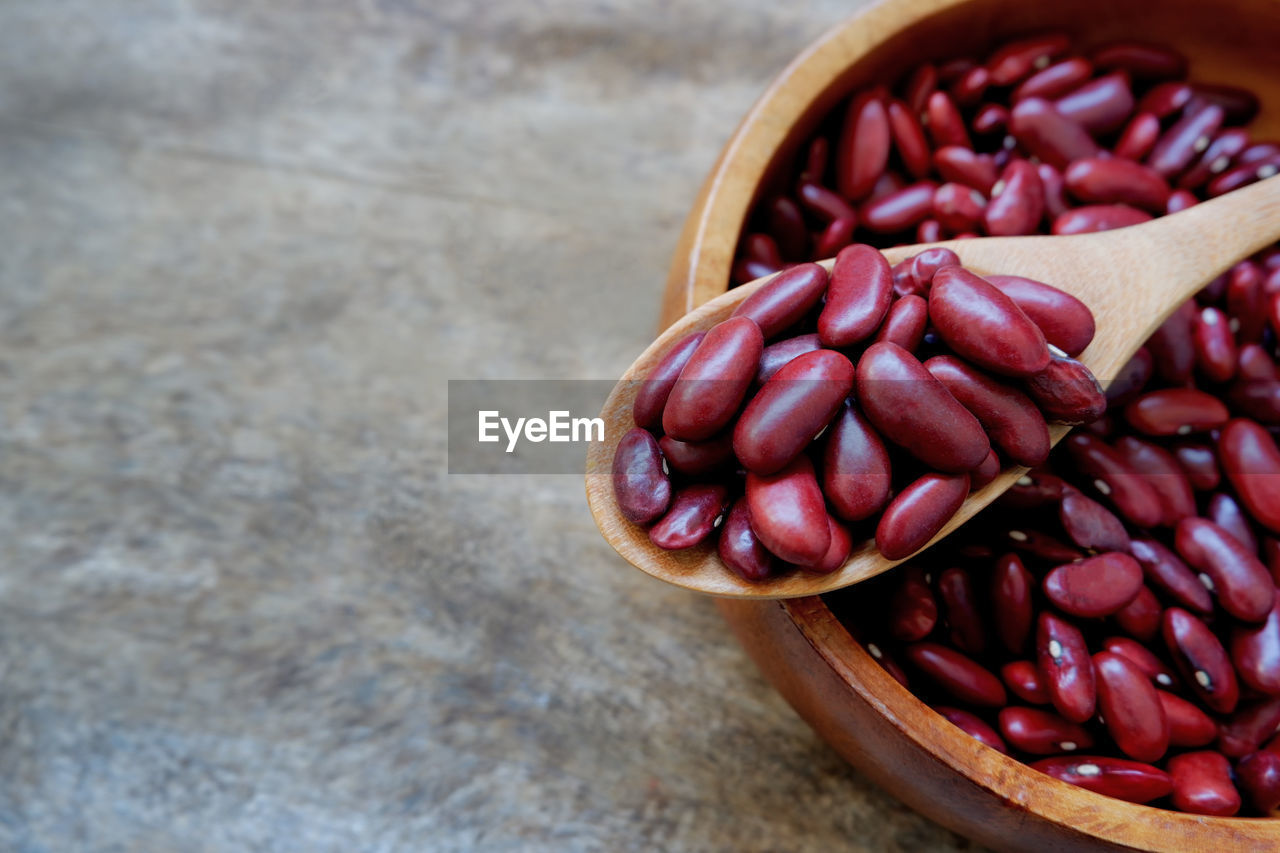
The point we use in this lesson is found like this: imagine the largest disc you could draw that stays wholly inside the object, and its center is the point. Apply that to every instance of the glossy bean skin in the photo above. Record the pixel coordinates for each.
(1092, 526)
(739, 547)
(990, 119)
(957, 674)
(1180, 200)
(1252, 464)
(1238, 105)
(1042, 546)
(983, 325)
(640, 486)
(791, 409)
(909, 139)
(1141, 657)
(958, 164)
(1094, 587)
(1024, 681)
(1227, 514)
(1049, 135)
(1215, 346)
(1216, 158)
(1114, 180)
(916, 411)
(824, 204)
(1131, 781)
(1258, 776)
(1202, 784)
(1165, 571)
(1189, 727)
(786, 224)
(1066, 666)
(1143, 60)
(957, 207)
(1066, 322)
(1055, 190)
(1259, 400)
(1190, 135)
(1017, 203)
(1243, 175)
(1011, 591)
(1067, 392)
(856, 472)
(1165, 99)
(1201, 659)
(837, 235)
(775, 355)
(913, 611)
(964, 621)
(691, 518)
(785, 299)
(900, 210)
(1141, 617)
(923, 267)
(974, 726)
(788, 513)
(656, 388)
(1054, 80)
(713, 382)
(858, 296)
(1161, 470)
(1176, 411)
(1242, 584)
(1130, 706)
(945, 124)
(1040, 732)
(1200, 464)
(1253, 362)
(1132, 496)
(919, 86)
(918, 512)
(1099, 106)
(1139, 137)
(986, 471)
(837, 552)
(1013, 423)
(1099, 217)
(697, 458)
(863, 151)
(1246, 301)
(1246, 729)
(1255, 653)
(1016, 60)
(1172, 347)
(905, 323)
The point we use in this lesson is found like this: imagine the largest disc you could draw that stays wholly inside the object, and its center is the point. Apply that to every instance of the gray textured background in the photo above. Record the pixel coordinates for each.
(242, 604)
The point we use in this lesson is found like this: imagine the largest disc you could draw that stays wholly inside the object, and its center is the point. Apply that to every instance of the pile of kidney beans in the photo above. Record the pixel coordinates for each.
(1112, 619)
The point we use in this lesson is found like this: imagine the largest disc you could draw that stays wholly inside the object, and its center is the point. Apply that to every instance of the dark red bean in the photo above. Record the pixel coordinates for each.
(816, 157)
(909, 140)
(957, 674)
(1200, 464)
(1180, 200)
(1201, 659)
(1093, 218)
(1188, 725)
(1165, 571)
(1038, 732)
(1017, 60)
(855, 470)
(747, 270)
(1131, 379)
(691, 518)
(971, 86)
(888, 664)
(1143, 60)
(960, 165)
(1176, 411)
(905, 323)
(764, 248)
(823, 203)
(1114, 180)
(1066, 322)
(1139, 137)
(924, 266)
(774, 356)
(1132, 496)
(1034, 489)
(928, 231)
(1011, 591)
(1258, 776)
(1227, 514)
(1067, 392)
(1055, 80)
(786, 224)
(1131, 708)
(1055, 199)
(1066, 667)
(1165, 99)
(1259, 400)
(1162, 470)
(1242, 584)
(919, 87)
(1024, 681)
(1017, 202)
(640, 485)
(984, 325)
(858, 296)
(900, 210)
(1049, 135)
(838, 551)
(1202, 784)
(990, 119)
(1189, 136)
(1239, 105)
(986, 472)
(1140, 618)
(656, 388)
(918, 512)
(960, 606)
(1042, 546)
(1252, 463)
(1097, 586)
(696, 458)
(1246, 301)
(1217, 158)
(972, 725)
(739, 547)
(791, 409)
(1172, 347)
(1243, 175)
(1141, 657)
(1012, 421)
(713, 382)
(784, 300)
(1246, 729)
(913, 611)
(1253, 363)
(1255, 652)
(1131, 781)
(915, 411)
(957, 207)
(944, 122)
(788, 513)
(1215, 345)
(863, 151)
(1099, 106)
(1091, 525)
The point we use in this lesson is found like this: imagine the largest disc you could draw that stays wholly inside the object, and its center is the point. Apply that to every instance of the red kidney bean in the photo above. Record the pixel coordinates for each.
(816, 157)
(888, 664)
(1252, 463)
(1246, 729)
(1091, 525)
(929, 231)
(1227, 514)
(1097, 586)
(973, 726)
(1180, 200)
(1016, 60)
(746, 270)
(1143, 60)
(1241, 582)
(823, 203)
(1040, 732)
(1100, 105)
(863, 151)
(1165, 99)
(791, 409)
(1114, 180)
(1017, 202)
(697, 458)
(1239, 105)
(1243, 175)
(764, 248)
(858, 296)
(1201, 660)
(1202, 784)
(786, 224)
(1188, 725)
(1166, 572)
(1128, 491)
(1067, 392)
(1066, 322)
(908, 139)
(1258, 776)
(957, 164)
(1093, 218)
(953, 69)
(855, 470)
(653, 393)
(1138, 138)
(990, 119)
(900, 210)
(1259, 400)
(1141, 657)
(1176, 411)
(1042, 546)
(957, 674)
(924, 266)
(1011, 590)
(691, 518)
(1255, 652)
(774, 356)
(1253, 362)
(1140, 618)
(1200, 465)
(1258, 152)
(1131, 379)
(1131, 707)
(1131, 781)
(1246, 302)
(905, 323)
(1055, 201)
(788, 513)
(971, 86)
(713, 382)
(1161, 469)
(915, 411)
(919, 87)
(984, 325)
(918, 512)
(955, 588)
(783, 301)
(640, 485)
(957, 207)
(1216, 158)
(913, 611)
(1055, 80)
(944, 123)
(1034, 489)
(1066, 667)
(1215, 345)
(986, 472)
(739, 547)
(1012, 421)
(838, 551)
(1046, 133)
(1172, 347)
(1189, 136)
(1024, 681)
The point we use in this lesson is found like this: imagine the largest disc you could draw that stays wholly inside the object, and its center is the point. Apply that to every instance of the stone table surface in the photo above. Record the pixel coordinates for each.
(243, 604)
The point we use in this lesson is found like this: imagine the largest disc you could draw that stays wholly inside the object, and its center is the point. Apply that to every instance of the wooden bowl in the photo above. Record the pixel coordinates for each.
(799, 644)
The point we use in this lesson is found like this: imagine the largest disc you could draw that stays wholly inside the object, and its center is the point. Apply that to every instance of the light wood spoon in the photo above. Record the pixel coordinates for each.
(1132, 279)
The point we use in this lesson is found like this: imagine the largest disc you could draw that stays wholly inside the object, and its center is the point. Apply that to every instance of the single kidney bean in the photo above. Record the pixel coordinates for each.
(1141, 657)
(1227, 514)
(1259, 399)
(1131, 379)
(972, 725)
(1258, 776)
(1215, 345)
(1246, 729)
(1188, 136)
(888, 664)
(957, 207)
(1166, 572)
(1246, 301)
(1164, 99)
(691, 518)
(1097, 586)
(919, 86)
(697, 458)
(1255, 652)
(837, 552)
(1188, 725)
(1161, 469)
(856, 473)
(1180, 200)
(1091, 525)
(1055, 200)
(1055, 80)
(824, 204)
(899, 210)
(656, 388)
(957, 674)
(1252, 462)
(1202, 784)
(1176, 411)
(788, 513)
(764, 248)
(1200, 465)
(1128, 491)
(713, 382)
(1042, 546)
(1066, 322)
(1098, 217)
(955, 588)
(944, 122)
(1140, 617)
(1138, 138)
(1017, 60)
(960, 165)
(858, 296)
(918, 512)
(775, 355)
(1238, 105)
(1253, 362)
(1024, 681)
(1172, 347)
(986, 471)
(1012, 421)
(739, 547)
(791, 409)
(990, 119)
(1143, 60)
(971, 86)
(1201, 660)
(1066, 667)
(905, 323)
(1011, 590)
(816, 157)
(1216, 158)
(1035, 488)
(640, 485)
(908, 139)
(1046, 133)
(928, 231)
(924, 266)
(863, 152)
(1114, 180)
(1131, 708)
(1040, 732)
(1017, 202)
(913, 611)
(916, 411)
(1131, 781)
(1100, 105)
(1242, 583)
(785, 299)
(1067, 392)
(984, 325)
(786, 224)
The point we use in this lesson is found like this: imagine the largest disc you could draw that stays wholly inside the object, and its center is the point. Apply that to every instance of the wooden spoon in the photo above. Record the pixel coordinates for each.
(1132, 279)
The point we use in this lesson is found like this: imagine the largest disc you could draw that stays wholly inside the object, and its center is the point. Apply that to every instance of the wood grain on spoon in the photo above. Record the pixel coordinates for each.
(1131, 279)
